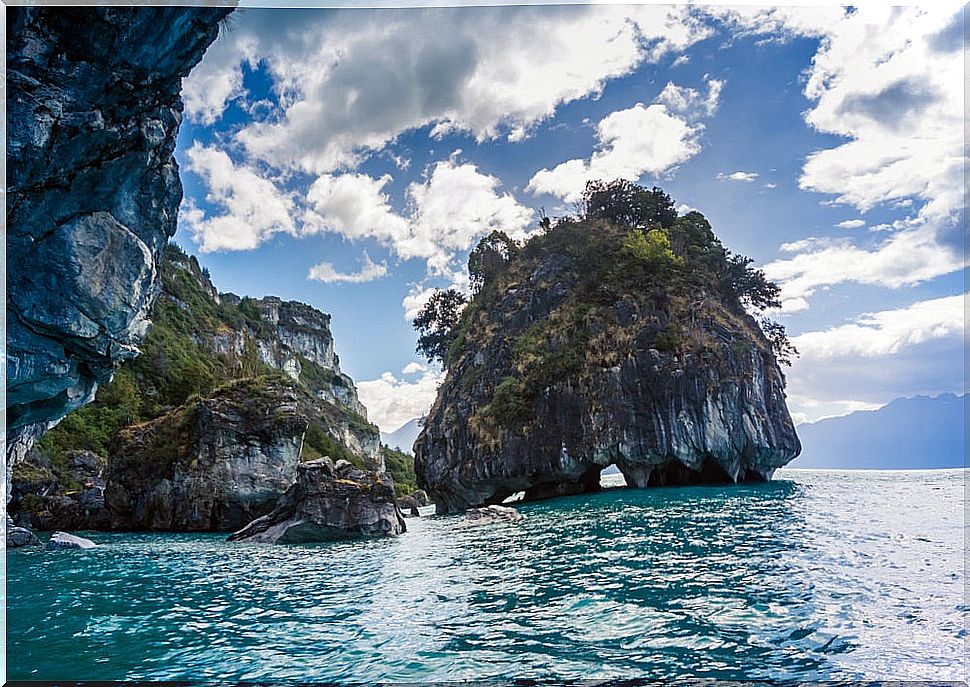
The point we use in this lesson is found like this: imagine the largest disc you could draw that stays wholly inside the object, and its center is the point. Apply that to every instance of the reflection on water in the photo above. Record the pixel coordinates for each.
(815, 576)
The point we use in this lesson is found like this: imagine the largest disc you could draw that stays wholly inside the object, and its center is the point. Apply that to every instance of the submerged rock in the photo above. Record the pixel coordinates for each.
(63, 540)
(490, 514)
(93, 110)
(328, 503)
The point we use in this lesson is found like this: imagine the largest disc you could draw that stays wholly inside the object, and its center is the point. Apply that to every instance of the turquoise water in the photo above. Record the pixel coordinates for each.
(815, 576)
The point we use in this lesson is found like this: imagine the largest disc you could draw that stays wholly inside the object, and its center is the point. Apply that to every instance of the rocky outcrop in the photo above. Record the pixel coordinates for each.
(210, 418)
(586, 351)
(294, 338)
(93, 109)
(72, 498)
(329, 502)
(212, 465)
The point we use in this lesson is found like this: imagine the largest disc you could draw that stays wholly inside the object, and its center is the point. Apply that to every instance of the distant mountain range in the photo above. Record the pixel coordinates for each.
(403, 437)
(908, 433)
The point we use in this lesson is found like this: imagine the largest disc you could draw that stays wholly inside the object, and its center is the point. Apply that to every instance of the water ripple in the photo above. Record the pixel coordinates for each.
(816, 576)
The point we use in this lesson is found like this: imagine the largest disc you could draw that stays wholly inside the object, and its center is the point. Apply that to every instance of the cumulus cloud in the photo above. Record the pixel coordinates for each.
(886, 332)
(851, 224)
(631, 142)
(370, 271)
(391, 401)
(349, 82)
(252, 207)
(449, 211)
(883, 80)
(690, 102)
(354, 206)
(906, 258)
(880, 81)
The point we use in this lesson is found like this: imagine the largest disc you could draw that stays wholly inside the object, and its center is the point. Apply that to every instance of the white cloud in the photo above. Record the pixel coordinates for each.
(771, 185)
(349, 82)
(253, 208)
(370, 271)
(891, 81)
(454, 207)
(413, 368)
(391, 401)
(886, 332)
(881, 80)
(738, 176)
(354, 206)
(688, 101)
(632, 142)
(852, 224)
(904, 259)
(415, 300)
(879, 356)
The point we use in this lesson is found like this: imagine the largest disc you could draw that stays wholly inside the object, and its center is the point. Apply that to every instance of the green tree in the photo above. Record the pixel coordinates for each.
(490, 255)
(436, 323)
(749, 285)
(784, 349)
(651, 247)
(624, 202)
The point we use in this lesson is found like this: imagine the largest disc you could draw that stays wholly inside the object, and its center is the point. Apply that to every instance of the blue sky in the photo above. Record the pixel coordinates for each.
(350, 159)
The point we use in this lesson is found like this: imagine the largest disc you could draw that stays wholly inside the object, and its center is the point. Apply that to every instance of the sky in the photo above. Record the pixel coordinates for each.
(351, 159)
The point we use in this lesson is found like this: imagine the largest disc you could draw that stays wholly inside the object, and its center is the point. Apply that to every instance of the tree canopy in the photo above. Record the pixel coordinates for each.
(436, 322)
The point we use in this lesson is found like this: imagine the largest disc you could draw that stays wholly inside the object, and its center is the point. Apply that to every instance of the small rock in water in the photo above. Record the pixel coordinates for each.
(63, 540)
(490, 514)
(20, 536)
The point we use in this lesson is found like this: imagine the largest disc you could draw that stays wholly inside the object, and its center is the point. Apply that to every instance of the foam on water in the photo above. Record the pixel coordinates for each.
(815, 576)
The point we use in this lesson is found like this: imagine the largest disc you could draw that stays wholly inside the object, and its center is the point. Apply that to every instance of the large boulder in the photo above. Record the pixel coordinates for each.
(20, 536)
(93, 111)
(327, 503)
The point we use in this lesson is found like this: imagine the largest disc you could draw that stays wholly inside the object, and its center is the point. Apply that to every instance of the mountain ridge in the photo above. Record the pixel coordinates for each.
(916, 432)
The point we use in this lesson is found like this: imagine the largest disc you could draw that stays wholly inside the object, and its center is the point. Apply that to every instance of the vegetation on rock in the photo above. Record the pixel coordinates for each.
(628, 243)
(627, 335)
(200, 343)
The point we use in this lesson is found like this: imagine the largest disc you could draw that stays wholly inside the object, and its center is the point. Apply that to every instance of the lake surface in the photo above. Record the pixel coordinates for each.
(818, 575)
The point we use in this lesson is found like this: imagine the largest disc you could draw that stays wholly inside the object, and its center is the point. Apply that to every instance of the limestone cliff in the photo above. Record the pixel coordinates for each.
(606, 341)
(93, 110)
(205, 429)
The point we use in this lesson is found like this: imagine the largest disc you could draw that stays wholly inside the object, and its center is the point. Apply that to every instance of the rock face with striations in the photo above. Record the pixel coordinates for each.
(326, 503)
(598, 343)
(211, 465)
(93, 109)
